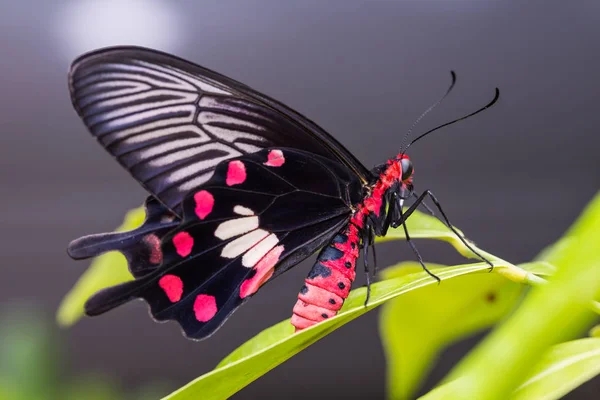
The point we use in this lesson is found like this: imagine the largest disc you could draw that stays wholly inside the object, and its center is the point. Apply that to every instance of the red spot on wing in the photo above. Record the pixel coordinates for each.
(183, 243)
(173, 287)
(205, 307)
(204, 203)
(153, 242)
(236, 173)
(276, 159)
(264, 270)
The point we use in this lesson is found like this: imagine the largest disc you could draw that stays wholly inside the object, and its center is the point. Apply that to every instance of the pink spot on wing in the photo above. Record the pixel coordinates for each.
(183, 243)
(173, 287)
(153, 242)
(276, 159)
(204, 203)
(236, 173)
(264, 270)
(205, 307)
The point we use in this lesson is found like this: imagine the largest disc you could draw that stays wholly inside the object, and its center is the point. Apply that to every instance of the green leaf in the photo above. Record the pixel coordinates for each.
(551, 313)
(561, 370)
(275, 345)
(106, 270)
(416, 327)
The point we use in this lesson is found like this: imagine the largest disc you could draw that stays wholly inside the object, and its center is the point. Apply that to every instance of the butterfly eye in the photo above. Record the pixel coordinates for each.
(407, 168)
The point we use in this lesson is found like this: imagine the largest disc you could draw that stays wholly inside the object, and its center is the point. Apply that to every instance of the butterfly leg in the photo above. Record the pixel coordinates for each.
(366, 243)
(429, 210)
(414, 248)
(446, 222)
(369, 241)
(388, 218)
(372, 241)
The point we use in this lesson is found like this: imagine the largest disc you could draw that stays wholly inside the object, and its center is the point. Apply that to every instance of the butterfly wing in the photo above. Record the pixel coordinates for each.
(170, 122)
(259, 215)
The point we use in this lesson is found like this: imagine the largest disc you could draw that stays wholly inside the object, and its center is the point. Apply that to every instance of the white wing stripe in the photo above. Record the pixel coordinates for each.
(139, 107)
(199, 166)
(215, 103)
(204, 86)
(208, 117)
(168, 146)
(153, 114)
(183, 154)
(175, 96)
(231, 135)
(247, 148)
(172, 130)
(146, 74)
(195, 182)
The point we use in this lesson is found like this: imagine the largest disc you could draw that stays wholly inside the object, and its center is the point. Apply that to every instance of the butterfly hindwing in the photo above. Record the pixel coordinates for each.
(257, 216)
(170, 122)
(140, 246)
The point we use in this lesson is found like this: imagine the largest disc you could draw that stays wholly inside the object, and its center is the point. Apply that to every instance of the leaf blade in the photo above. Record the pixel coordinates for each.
(416, 327)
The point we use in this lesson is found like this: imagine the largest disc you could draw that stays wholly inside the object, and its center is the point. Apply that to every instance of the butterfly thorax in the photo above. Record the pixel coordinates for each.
(394, 180)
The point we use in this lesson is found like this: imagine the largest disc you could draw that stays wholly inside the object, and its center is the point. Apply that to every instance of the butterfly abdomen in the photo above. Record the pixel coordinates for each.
(329, 281)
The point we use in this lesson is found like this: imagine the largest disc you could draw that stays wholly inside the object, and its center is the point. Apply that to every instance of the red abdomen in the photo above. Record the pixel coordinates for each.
(329, 281)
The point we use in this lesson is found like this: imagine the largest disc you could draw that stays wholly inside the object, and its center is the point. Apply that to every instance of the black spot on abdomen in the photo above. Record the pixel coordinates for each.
(330, 253)
(319, 270)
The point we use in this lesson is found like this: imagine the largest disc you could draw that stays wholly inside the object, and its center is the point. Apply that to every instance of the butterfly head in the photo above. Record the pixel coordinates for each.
(403, 172)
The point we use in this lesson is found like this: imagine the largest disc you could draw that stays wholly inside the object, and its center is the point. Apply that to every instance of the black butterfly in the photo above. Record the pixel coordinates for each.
(241, 187)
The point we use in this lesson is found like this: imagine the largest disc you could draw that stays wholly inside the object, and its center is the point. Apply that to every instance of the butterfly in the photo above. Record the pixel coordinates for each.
(241, 188)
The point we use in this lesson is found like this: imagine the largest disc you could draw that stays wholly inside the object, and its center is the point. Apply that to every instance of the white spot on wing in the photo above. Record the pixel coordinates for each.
(255, 254)
(236, 227)
(243, 244)
(241, 210)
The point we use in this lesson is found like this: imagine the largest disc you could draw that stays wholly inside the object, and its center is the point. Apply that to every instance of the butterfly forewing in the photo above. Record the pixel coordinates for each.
(170, 122)
(257, 216)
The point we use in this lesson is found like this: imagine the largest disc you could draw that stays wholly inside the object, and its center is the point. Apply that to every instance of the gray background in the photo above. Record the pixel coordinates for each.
(512, 178)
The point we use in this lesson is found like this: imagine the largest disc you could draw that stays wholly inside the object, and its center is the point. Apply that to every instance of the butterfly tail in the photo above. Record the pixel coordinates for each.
(114, 296)
(141, 246)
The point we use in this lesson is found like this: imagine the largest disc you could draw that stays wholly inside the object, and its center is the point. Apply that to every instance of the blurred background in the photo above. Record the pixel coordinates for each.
(513, 178)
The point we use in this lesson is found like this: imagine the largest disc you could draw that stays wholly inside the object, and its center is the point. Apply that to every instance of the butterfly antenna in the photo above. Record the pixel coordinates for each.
(434, 105)
(491, 103)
